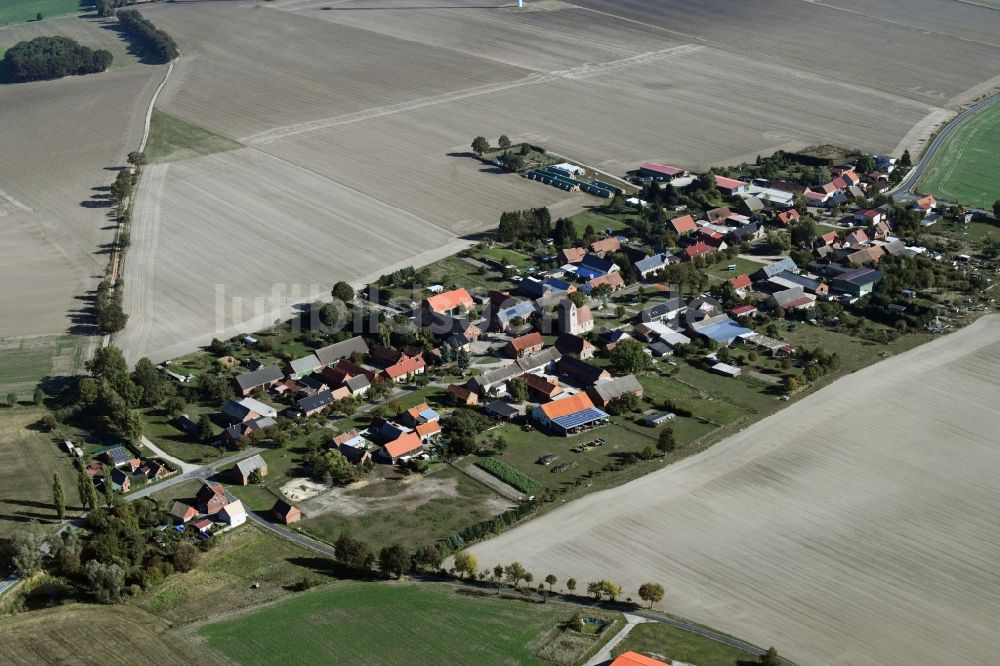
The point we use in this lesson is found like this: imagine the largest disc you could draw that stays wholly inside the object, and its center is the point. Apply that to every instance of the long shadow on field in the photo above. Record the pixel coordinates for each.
(331, 569)
(84, 320)
(140, 54)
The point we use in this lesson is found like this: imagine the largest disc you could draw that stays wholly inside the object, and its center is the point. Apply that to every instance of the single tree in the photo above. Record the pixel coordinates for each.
(107, 580)
(571, 585)
(905, 160)
(665, 442)
(58, 496)
(629, 357)
(185, 556)
(83, 486)
(12, 400)
(528, 577)
(38, 16)
(136, 158)
(504, 142)
(26, 550)
(343, 291)
(466, 564)
(651, 592)
(551, 580)
(39, 396)
(462, 360)
(515, 571)
(205, 428)
(480, 145)
(498, 576)
(151, 381)
(770, 658)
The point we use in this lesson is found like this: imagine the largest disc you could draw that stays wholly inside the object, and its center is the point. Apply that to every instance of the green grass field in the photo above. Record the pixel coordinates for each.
(172, 139)
(389, 623)
(21, 11)
(30, 459)
(25, 361)
(965, 170)
(661, 641)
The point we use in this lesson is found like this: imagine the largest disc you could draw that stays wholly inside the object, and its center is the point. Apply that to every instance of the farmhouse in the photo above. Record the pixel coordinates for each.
(462, 396)
(182, 513)
(698, 249)
(653, 264)
(502, 410)
(520, 311)
(569, 415)
(268, 376)
(613, 281)
(602, 393)
(451, 302)
(719, 327)
(682, 225)
(731, 187)
(787, 217)
(793, 299)
(421, 413)
(525, 344)
(234, 433)
(407, 366)
(211, 498)
(234, 514)
(402, 448)
(858, 282)
(774, 268)
(605, 246)
(664, 311)
(573, 345)
(542, 387)
(571, 255)
(581, 372)
(120, 481)
(247, 409)
(285, 513)
(314, 404)
(593, 266)
(203, 526)
(116, 455)
(303, 366)
(243, 470)
(332, 353)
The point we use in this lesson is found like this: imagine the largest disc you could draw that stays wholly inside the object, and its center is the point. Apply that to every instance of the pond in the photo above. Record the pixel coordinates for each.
(593, 626)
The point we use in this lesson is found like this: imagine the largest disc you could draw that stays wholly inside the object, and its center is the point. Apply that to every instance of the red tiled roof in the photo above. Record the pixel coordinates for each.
(527, 341)
(613, 280)
(449, 300)
(605, 245)
(698, 249)
(741, 310)
(405, 366)
(573, 255)
(740, 281)
(829, 238)
(728, 183)
(683, 224)
(926, 202)
(788, 216)
(427, 429)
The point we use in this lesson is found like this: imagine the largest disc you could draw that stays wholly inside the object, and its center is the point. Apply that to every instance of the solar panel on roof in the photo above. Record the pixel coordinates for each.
(577, 419)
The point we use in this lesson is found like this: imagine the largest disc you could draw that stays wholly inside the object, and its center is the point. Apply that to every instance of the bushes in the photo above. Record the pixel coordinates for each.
(510, 476)
(44, 58)
(157, 43)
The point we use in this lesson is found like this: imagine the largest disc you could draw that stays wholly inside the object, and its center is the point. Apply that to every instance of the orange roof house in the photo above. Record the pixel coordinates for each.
(615, 281)
(682, 225)
(408, 444)
(605, 245)
(741, 282)
(572, 255)
(788, 216)
(406, 366)
(525, 344)
(450, 302)
(636, 659)
(427, 430)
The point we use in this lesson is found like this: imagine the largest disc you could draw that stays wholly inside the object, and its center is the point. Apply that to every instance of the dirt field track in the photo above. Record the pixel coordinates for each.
(857, 527)
(376, 101)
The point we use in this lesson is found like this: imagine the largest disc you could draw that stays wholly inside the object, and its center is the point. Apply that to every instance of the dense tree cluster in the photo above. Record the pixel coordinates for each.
(108, 7)
(148, 37)
(44, 58)
(527, 225)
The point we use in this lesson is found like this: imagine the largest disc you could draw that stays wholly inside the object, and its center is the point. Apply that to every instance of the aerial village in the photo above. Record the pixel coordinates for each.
(565, 343)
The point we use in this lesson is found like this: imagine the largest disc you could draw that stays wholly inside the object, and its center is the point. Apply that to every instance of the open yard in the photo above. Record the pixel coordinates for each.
(427, 625)
(965, 169)
(661, 641)
(30, 459)
(854, 527)
(87, 634)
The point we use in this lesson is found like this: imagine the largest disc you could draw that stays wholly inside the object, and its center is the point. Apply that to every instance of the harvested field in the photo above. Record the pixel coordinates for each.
(861, 540)
(215, 233)
(61, 140)
(87, 634)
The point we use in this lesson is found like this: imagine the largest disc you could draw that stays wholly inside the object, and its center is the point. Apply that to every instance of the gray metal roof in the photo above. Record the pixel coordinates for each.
(333, 353)
(248, 465)
(617, 387)
(269, 373)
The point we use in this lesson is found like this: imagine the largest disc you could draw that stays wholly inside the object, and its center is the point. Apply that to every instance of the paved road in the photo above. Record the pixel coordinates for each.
(905, 189)
(198, 473)
(181, 465)
(9, 582)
